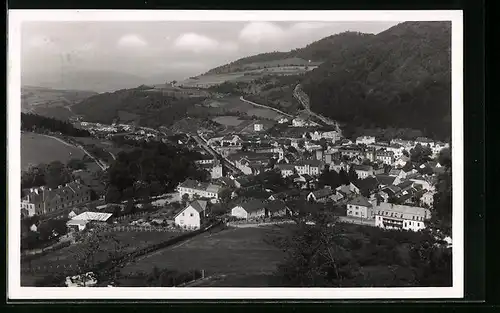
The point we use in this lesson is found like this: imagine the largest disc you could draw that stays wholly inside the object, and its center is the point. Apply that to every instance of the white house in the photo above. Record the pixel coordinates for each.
(387, 157)
(360, 207)
(427, 198)
(363, 171)
(394, 216)
(303, 120)
(231, 141)
(258, 127)
(249, 209)
(192, 216)
(401, 161)
(366, 140)
(286, 169)
(283, 120)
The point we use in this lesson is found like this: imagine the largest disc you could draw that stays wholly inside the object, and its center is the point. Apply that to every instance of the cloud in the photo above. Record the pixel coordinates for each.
(199, 43)
(308, 26)
(132, 40)
(261, 32)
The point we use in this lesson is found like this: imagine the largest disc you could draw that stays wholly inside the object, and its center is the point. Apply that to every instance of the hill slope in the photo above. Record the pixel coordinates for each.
(53, 103)
(142, 105)
(398, 78)
(315, 52)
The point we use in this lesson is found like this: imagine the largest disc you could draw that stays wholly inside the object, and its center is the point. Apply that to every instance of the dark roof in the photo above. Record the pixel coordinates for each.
(323, 193)
(362, 167)
(275, 205)
(405, 184)
(385, 179)
(252, 205)
(198, 205)
(360, 200)
(368, 184)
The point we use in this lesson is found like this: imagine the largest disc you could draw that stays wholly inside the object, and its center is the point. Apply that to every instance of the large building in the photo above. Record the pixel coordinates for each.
(394, 216)
(202, 190)
(45, 200)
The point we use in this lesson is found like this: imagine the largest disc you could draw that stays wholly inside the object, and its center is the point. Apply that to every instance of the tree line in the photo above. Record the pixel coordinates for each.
(151, 169)
(37, 123)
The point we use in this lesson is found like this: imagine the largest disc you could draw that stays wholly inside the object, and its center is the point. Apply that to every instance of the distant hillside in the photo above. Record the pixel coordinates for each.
(315, 52)
(141, 105)
(398, 78)
(49, 102)
(75, 79)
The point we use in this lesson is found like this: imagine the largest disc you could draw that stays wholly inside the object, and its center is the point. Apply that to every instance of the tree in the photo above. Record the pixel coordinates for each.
(420, 154)
(444, 158)
(56, 174)
(352, 175)
(185, 199)
(96, 246)
(344, 178)
(442, 213)
(76, 164)
(113, 195)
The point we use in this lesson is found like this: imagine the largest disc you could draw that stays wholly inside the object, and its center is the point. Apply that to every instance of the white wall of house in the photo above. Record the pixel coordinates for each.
(359, 211)
(239, 212)
(405, 224)
(188, 218)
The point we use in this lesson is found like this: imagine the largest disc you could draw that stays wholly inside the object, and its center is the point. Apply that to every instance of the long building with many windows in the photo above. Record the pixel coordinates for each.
(45, 200)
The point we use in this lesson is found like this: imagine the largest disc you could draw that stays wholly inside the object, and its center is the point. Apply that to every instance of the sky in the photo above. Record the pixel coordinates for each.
(163, 50)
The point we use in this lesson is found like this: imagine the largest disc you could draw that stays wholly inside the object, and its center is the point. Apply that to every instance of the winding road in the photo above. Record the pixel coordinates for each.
(265, 107)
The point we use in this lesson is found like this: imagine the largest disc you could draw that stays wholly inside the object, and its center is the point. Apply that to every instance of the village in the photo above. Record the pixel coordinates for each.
(385, 192)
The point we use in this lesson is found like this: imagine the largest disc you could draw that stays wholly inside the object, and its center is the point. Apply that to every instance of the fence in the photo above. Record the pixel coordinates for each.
(109, 264)
(146, 229)
(49, 268)
(30, 255)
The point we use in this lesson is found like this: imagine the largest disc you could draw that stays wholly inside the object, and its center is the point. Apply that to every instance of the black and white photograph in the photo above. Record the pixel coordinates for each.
(233, 155)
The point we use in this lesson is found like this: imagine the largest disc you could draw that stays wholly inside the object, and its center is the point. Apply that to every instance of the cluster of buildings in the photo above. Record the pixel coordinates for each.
(44, 200)
(384, 193)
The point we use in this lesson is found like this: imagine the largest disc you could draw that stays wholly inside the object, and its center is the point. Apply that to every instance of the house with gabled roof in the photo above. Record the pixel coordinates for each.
(321, 195)
(193, 215)
(195, 188)
(386, 180)
(276, 208)
(249, 209)
(360, 207)
(231, 141)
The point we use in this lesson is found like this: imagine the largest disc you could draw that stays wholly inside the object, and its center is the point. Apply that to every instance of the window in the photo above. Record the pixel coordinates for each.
(191, 214)
(182, 213)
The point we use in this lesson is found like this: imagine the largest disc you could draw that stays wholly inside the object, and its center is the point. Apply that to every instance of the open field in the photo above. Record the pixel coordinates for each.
(66, 256)
(36, 149)
(235, 104)
(228, 120)
(237, 252)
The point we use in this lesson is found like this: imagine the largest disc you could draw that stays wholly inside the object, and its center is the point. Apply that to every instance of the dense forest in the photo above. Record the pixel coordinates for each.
(148, 108)
(38, 123)
(151, 169)
(317, 51)
(399, 78)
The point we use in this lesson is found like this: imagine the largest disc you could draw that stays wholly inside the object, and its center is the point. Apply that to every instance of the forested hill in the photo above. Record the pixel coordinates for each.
(144, 106)
(317, 52)
(38, 123)
(398, 78)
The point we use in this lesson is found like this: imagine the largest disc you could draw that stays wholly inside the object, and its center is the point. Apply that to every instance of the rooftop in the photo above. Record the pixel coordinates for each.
(361, 201)
(402, 211)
